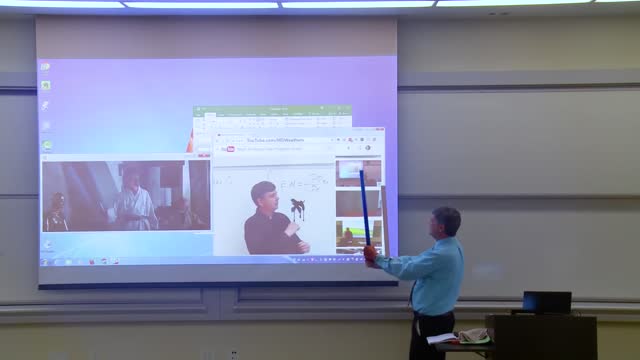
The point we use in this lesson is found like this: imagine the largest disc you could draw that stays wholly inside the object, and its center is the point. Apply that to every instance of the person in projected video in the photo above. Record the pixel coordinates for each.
(54, 219)
(348, 236)
(186, 219)
(134, 208)
(268, 231)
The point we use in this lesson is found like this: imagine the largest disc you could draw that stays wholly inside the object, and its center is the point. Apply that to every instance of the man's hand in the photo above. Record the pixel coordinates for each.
(372, 264)
(131, 217)
(291, 229)
(304, 247)
(370, 253)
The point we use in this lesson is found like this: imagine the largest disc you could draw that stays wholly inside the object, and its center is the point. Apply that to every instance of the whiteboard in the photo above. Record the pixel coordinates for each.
(519, 142)
(587, 246)
(19, 144)
(511, 244)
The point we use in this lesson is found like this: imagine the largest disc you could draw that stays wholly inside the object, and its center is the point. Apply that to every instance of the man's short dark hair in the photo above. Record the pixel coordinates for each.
(450, 218)
(130, 172)
(260, 189)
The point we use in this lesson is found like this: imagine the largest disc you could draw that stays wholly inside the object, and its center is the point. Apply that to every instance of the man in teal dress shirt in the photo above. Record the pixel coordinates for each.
(437, 274)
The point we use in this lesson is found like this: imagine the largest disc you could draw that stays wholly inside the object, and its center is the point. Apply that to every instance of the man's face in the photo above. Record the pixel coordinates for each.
(435, 229)
(133, 183)
(58, 202)
(269, 201)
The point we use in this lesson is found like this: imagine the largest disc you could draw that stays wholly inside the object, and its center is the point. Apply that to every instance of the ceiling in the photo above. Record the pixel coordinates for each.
(587, 9)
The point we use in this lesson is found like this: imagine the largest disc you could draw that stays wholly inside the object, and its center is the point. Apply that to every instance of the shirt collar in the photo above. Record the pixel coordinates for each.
(444, 242)
(263, 216)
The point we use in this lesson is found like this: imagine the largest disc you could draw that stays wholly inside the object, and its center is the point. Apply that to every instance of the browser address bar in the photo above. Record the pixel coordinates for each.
(283, 140)
(319, 147)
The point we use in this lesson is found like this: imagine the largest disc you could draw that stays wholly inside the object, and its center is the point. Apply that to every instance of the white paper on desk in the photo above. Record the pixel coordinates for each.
(441, 338)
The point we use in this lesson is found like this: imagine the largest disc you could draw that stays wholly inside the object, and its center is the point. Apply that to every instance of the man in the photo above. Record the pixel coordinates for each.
(347, 238)
(268, 231)
(348, 235)
(54, 219)
(185, 218)
(437, 273)
(134, 208)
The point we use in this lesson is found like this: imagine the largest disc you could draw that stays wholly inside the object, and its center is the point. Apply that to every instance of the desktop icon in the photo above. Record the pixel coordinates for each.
(46, 126)
(45, 105)
(47, 145)
(45, 85)
(45, 66)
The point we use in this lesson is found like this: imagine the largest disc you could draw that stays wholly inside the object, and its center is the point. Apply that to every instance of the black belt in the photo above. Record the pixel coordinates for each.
(422, 316)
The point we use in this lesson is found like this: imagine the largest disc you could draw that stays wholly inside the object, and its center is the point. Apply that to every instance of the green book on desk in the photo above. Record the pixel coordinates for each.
(474, 336)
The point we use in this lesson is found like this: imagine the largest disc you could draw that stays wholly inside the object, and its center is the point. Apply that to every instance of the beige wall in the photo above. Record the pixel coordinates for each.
(534, 44)
(523, 44)
(161, 37)
(16, 54)
(375, 340)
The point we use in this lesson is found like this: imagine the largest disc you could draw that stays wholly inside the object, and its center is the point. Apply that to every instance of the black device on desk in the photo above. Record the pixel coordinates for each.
(549, 333)
(545, 303)
(543, 337)
(536, 337)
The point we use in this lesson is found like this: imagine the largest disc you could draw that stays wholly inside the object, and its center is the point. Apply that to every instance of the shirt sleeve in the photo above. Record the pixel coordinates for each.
(292, 240)
(150, 212)
(409, 267)
(153, 219)
(254, 238)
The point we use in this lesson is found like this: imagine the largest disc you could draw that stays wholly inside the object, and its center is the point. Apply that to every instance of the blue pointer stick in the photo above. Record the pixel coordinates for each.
(364, 208)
